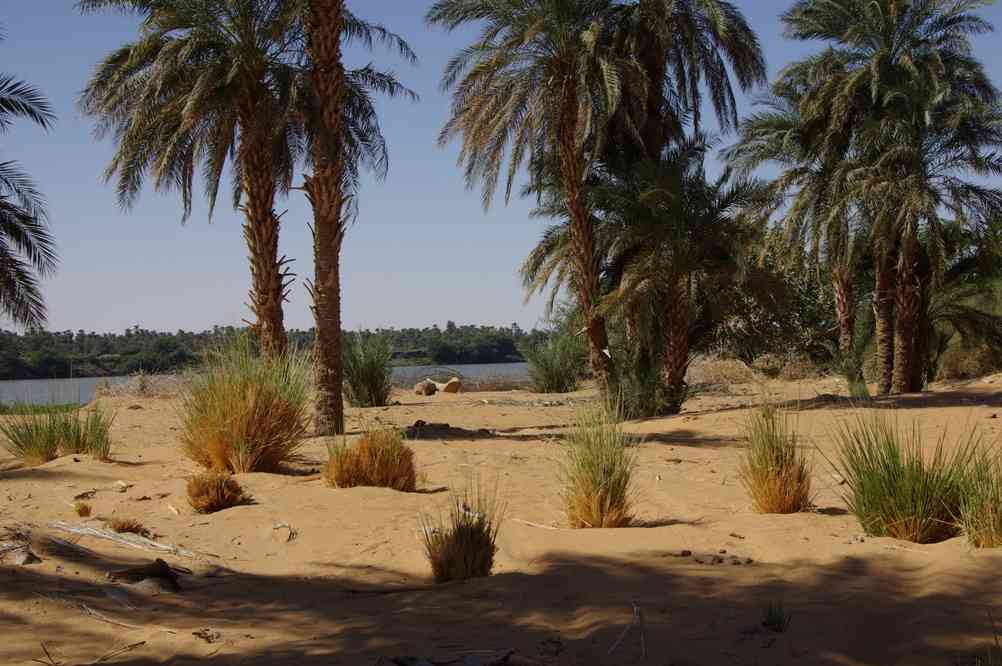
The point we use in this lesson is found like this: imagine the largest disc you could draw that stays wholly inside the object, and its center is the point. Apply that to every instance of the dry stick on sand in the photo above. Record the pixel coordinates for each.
(638, 621)
(131, 540)
(539, 525)
(119, 651)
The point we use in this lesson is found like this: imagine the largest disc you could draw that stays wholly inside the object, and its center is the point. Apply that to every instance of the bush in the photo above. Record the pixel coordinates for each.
(127, 526)
(717, 371)
(210, 492)
(243, 412)
(463, 545)
(597, 474)
(637, 387)
(774, 471)
(893, 490)
(775, 618)
(980, 514)
(36, 437)
(82, 509)
(556, 364)
(367, 372)
(379, 459)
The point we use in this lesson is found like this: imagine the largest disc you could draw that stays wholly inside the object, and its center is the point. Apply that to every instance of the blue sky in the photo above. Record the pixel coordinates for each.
(422, 251)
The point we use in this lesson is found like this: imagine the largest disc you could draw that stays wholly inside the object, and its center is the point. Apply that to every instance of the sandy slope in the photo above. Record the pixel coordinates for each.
(559, 596)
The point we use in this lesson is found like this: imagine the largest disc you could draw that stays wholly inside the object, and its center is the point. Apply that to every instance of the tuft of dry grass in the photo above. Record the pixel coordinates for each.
(379, 458)
(717, 371)
(462, 545)
(245, 413)
(597, 472)
(210, 492)
(775, 473)
(126, 526)
(82, 509)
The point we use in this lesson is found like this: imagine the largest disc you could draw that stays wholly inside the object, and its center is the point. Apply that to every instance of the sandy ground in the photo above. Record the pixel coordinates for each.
(353, 585)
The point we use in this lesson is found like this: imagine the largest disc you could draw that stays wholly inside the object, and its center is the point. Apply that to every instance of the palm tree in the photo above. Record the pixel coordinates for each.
(540, 83)
(678, 229)
(893, 71)
(808, 190)
(684, 46)
(27, 249)
(208, 82)
(345, 135)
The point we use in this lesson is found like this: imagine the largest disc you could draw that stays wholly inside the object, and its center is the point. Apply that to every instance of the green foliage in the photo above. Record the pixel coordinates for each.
(38, 436)
(367, 371)
(980, 514)
(775, 618)
(893, 489)
(597, 472)
(243, 412)
(463, 544)
(636, 385)
(774, 471)
(23, 408)
(556, 364)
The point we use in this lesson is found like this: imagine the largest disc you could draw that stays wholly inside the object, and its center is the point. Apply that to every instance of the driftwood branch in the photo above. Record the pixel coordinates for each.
(131, 540)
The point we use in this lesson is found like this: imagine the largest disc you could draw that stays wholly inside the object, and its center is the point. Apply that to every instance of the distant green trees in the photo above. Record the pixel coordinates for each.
(45, 355)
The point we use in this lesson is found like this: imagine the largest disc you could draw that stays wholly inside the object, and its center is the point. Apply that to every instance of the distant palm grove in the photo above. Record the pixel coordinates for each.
(852, 218)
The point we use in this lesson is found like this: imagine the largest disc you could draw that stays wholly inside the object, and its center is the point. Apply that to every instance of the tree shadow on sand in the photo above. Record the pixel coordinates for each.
(570, 609)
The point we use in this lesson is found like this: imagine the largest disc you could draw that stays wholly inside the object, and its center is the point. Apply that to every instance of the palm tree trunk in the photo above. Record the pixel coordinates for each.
(907, 310)
(845, 309)
(261, 227)
(676, 342)
(583, 248)
(883, 309)
(325, 190)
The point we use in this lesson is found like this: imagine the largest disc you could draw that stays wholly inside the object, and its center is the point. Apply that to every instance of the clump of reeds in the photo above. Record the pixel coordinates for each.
(556, 364)
(242, 412)
(379, 458)
(774, 471)
(36, 437)
(210, 492)
(893, 489)
(367, 371)
(597, 472)
(980, 514)
(462, 544)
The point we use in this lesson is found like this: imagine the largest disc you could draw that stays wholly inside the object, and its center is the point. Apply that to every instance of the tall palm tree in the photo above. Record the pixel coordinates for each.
(540, 83)
(678, 227)
(205, 83)
(27, 249)
(684, 47)
(345, 136)
(892, 69)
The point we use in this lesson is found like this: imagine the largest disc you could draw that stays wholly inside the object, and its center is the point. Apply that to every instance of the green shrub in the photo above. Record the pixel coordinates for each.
(980, 514)
(893, 489)
(555, 365)
(367, 371)
(242, 412)
(462, 545)
(597, 472)
(379, 459)
(637, 387)
(36, 437)
(774, 471)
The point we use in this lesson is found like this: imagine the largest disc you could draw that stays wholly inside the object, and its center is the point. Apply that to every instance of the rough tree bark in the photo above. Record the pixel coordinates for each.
(261, 228)
(883, 309)
(676, 343)
(907, 310)
(325, 190)
(845, 308)
(586, 268)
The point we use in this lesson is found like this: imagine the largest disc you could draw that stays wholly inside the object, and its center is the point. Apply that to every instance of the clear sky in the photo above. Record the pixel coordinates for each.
(423, 251)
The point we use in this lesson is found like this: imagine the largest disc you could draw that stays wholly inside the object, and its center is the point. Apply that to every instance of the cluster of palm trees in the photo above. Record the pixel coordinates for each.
(260, 85)
(884, 140)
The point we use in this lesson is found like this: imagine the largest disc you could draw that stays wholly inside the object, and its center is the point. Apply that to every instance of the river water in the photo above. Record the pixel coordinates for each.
(81, 389)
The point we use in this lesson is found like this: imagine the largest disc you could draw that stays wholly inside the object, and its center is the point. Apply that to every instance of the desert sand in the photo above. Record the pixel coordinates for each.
(308, 574)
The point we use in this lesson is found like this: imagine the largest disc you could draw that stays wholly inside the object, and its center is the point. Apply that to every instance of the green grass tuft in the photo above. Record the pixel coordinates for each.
(896, 491)
(775, 618)
(980, 515)
(597, 472)
(555, 365)
(367, 371)
(38, 437)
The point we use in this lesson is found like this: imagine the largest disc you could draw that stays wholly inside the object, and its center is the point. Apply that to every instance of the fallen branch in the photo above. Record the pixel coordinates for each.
(131, 540)
(539, 525)
(114, 653)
